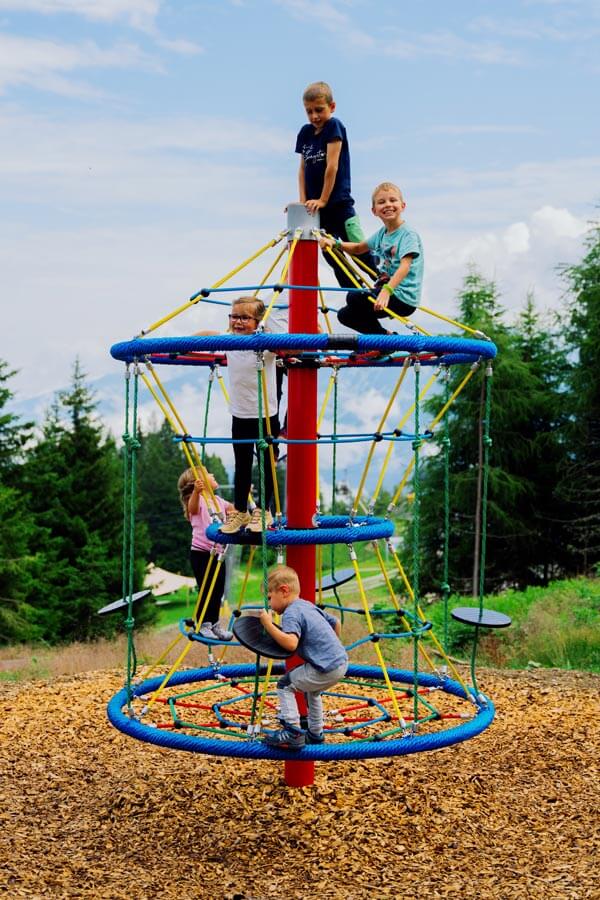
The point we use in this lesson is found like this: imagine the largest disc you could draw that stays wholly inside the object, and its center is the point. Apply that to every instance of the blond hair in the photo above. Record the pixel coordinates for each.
(280, 575)
(318, 89)
(185, 486)
(385, 186)
(258, 307)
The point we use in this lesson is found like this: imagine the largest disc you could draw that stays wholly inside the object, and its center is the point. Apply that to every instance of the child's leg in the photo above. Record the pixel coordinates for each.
(199, 560)
(242, 453)
(312, 682)
(360, 314)
(288, 708)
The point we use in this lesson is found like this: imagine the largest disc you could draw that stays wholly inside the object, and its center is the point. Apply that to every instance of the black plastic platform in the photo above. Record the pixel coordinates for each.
(123, 603)
(484, 618)
(249, 632)
(335, 579)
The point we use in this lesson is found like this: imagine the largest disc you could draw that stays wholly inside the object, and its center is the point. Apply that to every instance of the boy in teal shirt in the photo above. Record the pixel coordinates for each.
(400, 253)
(324, 173)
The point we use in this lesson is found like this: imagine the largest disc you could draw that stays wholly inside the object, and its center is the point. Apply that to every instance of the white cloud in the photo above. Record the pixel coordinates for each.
(138, 13)
(516, 238)
(329, 17)
(559, 223)
(42, 63)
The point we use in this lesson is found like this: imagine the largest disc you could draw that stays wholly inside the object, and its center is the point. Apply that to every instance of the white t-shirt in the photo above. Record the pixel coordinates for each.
(243, 376)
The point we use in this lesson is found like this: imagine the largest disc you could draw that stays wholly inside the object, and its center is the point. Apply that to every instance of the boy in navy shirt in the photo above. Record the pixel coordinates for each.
(314, 634)
(400, 253)
(324, 174)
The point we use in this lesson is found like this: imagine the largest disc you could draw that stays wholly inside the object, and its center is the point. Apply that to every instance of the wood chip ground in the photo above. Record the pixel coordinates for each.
(88, 812)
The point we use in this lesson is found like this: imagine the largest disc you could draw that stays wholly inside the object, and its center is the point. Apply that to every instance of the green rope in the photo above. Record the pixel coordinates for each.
(334, 468)
(487, 442)
(211, 378)
(445, 587)
(416, 541)
(262, 446)
(132, 445)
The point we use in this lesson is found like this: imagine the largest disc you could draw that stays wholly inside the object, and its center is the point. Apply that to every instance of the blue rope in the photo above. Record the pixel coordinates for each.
(138, 348)
(253, 749)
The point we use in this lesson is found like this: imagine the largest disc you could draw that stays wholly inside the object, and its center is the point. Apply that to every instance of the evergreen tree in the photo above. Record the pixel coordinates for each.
(520, 545)
(14, 434)
(580, 485)
(73, 476)
(19, 565)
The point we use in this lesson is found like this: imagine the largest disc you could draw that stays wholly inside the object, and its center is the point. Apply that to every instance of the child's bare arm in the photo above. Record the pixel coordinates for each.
(383, 298)
(285, 640)
(194, 501)
(356, 249)
(334, 149)
(301, 182)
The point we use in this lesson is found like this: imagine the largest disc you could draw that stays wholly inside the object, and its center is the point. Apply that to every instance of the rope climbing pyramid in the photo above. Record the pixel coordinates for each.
(377, 710)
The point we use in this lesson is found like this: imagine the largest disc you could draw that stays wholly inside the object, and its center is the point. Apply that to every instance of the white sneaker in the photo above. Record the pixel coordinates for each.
(256, 520)
(220, 633)
(236, 520)
(206, 631)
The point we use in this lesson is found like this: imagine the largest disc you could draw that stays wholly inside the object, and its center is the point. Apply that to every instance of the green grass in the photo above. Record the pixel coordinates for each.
(557, 626)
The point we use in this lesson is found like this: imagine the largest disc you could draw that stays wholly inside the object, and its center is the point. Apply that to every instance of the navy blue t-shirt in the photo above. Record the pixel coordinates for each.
(313, 148)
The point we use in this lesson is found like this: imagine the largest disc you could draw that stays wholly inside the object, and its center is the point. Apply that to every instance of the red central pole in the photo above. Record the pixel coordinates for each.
(302, 458)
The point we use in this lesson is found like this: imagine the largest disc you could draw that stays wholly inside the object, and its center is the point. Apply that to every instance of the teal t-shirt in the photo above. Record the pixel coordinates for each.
(390, 247)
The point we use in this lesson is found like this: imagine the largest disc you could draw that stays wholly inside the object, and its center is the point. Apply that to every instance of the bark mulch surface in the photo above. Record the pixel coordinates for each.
(90, 812)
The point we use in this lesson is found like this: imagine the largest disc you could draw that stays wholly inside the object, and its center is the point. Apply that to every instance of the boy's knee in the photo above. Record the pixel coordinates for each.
(285, 682)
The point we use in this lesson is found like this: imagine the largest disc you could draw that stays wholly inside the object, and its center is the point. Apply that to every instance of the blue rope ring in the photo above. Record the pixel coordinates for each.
(331, 530)
(467, 349)
(253, 749)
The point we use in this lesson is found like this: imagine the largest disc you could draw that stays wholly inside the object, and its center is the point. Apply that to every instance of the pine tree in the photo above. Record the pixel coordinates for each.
(580, 485)
(519, 543)
(73, 476)
(14, 434)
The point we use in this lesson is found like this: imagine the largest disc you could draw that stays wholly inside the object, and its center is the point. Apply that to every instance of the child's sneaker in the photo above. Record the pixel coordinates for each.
(288, 738)
(220, 633)
(256, 520)
(206, 631)
(312, 738)
(235, 521)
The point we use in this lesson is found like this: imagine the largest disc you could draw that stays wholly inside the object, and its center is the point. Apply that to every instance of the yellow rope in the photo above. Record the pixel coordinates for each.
(466, 328)
(434, 423)
(196, 464)
(284, 271)
(217, 284)
(379, 428)
(430, 634)
(263, 382)
(221, 382)
(378, 652)
(411, 325)
(330, 386)
(271, 268)
(325, 312)
(397, 606)
(399, 427)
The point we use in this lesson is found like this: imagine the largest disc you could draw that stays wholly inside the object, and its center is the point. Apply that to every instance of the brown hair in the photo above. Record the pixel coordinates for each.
(385, 186)
(280, 575)
(318, 89)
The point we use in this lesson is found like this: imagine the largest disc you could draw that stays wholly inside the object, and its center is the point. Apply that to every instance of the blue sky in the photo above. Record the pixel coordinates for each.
(147, 146)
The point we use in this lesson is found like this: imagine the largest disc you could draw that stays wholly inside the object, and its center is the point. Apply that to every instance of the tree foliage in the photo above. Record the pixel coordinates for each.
(580, 482)
(521, 543)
